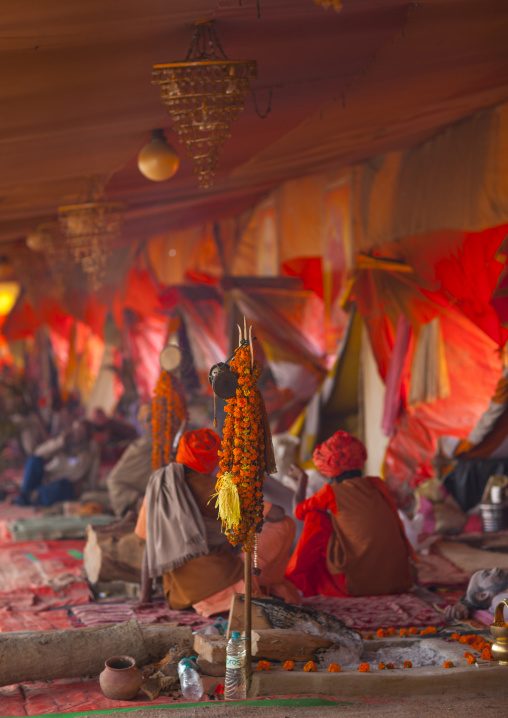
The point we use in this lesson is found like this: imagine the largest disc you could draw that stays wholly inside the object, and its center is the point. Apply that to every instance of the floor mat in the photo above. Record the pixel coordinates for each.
(373, 612)
(97, 614)
(469, 559)
(435, 570)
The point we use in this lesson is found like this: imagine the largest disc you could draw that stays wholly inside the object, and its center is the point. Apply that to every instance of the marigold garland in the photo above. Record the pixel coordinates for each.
(309, 666)
(390, 666)
(288, 665)
(334, 668)
(369, 636)
(246, 454)
(448, 664)
(364, 668)
(471, 660)
(169, 412)
(381, 666)
(407, 664)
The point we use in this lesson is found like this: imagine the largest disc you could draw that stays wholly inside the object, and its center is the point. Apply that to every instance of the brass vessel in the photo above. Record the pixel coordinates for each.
(499, 631)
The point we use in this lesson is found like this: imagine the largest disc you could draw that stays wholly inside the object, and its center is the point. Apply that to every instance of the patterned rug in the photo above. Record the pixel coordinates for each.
(372, 612)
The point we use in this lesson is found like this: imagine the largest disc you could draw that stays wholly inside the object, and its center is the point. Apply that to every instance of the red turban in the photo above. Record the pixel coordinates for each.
(198, 450)
(341, 452)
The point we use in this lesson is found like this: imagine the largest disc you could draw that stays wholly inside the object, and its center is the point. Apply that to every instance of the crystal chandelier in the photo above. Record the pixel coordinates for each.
(91, 230)
(204, 95)
(337, 4)
(49, 240)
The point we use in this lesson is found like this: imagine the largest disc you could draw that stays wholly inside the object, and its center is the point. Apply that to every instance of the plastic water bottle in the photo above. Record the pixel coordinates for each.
(190, 681)
(236, 685)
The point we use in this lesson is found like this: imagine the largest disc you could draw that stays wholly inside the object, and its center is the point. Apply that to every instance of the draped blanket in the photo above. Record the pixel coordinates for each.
(175, 532)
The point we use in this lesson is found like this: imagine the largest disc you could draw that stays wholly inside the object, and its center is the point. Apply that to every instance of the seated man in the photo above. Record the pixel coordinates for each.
(484, 591)
(466, 465)
(62, 468)
(184, 541)
(353, 542)
(112, 434)
(127, 481)
(273, 550)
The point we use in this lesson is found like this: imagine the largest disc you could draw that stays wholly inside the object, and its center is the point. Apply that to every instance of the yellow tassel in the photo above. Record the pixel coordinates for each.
(228, 501)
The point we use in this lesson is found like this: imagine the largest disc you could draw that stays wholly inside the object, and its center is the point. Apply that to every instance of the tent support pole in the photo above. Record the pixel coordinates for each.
(248, 620)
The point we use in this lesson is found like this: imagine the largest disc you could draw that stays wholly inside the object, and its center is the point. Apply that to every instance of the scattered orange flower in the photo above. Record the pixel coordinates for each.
(403, 632)
(468, 654)
(364, 668)
(448, 664)
(428, 631)
(390, 666)
(264, 666)
(407, 664)
(471, 659)
(310, 666)
(381, 633)
(381, 666)
(369, 636)
(391, 631)
(455, 636)
(288, 665)
(334, 668)
(413, 631)
(486, 654)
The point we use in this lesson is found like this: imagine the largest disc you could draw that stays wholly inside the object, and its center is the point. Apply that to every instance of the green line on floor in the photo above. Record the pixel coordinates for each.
(262, 702)
(75, 553)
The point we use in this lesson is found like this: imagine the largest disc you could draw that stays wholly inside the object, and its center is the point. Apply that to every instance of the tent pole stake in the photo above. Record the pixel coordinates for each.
(248, 620)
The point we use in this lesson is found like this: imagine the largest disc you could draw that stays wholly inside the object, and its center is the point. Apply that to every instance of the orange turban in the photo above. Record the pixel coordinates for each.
(198, 450)
(341, 452)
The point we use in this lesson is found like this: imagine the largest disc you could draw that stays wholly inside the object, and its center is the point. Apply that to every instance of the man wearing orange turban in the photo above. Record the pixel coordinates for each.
(184, 541)
(353, 542)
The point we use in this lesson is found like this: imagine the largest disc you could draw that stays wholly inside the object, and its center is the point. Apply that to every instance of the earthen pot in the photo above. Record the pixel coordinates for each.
(121, 679)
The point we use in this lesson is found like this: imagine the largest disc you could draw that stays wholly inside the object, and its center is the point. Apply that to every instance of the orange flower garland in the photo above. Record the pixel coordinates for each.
(243, 455)
(334, 668)
(169, 412)
(407, 664)
(309, 666)
(448, 664)
(364, 668)
(381, 666)
(288, 665)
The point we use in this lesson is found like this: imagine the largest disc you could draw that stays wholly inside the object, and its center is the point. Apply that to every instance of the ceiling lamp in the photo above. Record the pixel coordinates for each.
(157, 160)
(91, 229)
(9, 292)
(337, 4)
(204, 95)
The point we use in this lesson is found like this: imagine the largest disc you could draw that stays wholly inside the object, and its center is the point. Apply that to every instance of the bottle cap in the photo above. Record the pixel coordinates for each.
(236, 636)
(188, 662)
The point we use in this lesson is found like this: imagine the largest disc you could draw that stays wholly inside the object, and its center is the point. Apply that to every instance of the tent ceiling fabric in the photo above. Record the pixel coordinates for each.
(76, 96)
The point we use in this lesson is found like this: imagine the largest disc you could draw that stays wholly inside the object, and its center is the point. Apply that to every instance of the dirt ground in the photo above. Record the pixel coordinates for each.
(435, 708)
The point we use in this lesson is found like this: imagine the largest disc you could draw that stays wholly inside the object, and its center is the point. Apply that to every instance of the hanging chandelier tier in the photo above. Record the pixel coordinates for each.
(49, 240)
(91, 230)
(204, 95)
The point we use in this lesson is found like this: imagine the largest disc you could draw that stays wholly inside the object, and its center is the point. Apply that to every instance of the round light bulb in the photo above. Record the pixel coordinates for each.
(35, 242)
(157, 160)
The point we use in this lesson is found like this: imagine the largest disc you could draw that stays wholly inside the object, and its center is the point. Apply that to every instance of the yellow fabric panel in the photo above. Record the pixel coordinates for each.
(344, 397)
(300, 210)
(457, 180)
(170, 269)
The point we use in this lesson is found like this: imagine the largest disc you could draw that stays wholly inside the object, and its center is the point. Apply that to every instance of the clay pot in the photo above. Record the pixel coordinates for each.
(121, 679)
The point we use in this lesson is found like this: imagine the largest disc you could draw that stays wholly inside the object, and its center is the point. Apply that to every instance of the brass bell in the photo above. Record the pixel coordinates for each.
(499, 631)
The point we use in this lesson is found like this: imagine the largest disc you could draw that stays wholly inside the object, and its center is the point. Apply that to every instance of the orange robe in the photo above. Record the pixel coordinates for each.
(359, 549)
(201, 577)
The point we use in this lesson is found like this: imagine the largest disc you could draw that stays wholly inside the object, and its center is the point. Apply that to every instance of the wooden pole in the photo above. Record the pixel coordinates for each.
(248, 619)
